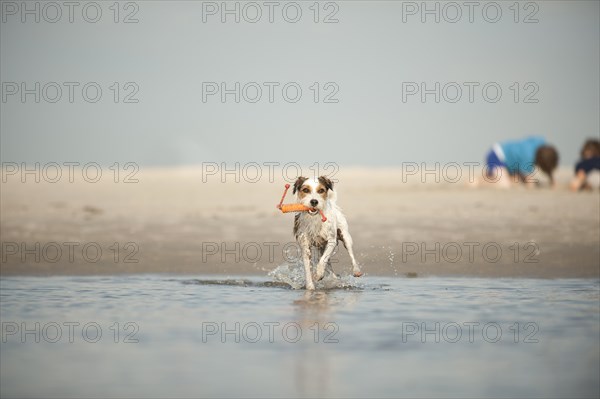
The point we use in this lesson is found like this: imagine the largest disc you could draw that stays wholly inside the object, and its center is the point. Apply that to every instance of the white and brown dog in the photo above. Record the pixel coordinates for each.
(313, 234)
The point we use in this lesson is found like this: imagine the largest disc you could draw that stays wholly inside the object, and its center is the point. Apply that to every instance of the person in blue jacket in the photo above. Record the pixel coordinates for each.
(516, 161)
(590, 160)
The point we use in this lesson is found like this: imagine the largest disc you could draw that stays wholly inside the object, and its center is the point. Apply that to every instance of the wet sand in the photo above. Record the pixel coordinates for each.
(173, 222)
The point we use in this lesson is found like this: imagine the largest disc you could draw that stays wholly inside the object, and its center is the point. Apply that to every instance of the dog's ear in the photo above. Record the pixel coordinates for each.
(326, 182)
(299, 182)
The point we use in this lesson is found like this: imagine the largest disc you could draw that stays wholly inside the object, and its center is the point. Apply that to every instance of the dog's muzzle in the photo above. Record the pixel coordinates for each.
(313, 211)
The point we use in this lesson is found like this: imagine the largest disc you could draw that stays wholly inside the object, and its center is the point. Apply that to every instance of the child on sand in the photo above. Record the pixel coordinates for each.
(518, 159)
(590, 160)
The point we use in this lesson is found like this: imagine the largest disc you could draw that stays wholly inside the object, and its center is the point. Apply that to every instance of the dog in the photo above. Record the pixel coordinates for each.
(313, 234)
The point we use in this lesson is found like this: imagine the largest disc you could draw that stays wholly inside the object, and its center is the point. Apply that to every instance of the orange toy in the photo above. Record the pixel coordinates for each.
(295, 207)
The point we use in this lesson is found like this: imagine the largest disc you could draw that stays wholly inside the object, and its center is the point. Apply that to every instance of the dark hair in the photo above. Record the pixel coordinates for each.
(299, 182)
(546, 157)
(591, 146)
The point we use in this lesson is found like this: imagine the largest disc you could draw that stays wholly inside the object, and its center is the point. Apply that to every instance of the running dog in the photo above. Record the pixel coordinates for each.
(311, 233)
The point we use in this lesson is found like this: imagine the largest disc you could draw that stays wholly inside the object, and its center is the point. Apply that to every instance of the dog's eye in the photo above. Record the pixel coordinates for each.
(306, 190)
(321, 191)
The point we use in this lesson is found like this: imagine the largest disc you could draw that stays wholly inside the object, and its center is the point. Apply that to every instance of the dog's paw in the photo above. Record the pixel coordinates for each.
(319, 274)
(310, 286)
(357, 273)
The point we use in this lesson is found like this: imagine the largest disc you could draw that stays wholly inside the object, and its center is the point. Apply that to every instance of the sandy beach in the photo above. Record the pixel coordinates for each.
(170, 221)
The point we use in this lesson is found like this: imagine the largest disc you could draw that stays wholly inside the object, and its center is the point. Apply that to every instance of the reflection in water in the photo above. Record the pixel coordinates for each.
(315, 316)
(372, 357)
(312, 367)
(313, 302)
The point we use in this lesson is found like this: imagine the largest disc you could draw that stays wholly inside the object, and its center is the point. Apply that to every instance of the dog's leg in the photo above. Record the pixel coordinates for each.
(346, 238)
(305, 248)
(328, 267)
(329, 270)
(316, 257)
(331, 243)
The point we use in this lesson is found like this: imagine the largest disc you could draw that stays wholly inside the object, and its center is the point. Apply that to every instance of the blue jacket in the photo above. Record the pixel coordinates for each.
(519, 155)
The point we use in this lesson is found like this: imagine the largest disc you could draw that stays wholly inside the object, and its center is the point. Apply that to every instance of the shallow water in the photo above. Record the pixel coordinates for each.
(372, 337)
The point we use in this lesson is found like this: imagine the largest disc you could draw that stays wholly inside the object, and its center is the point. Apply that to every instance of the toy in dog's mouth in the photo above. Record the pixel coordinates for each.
(285, 208)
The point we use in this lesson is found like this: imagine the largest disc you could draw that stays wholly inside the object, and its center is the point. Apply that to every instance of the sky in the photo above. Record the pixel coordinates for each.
(358, 83)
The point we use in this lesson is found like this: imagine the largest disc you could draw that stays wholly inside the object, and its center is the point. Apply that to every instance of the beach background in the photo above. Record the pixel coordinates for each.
(402, 221)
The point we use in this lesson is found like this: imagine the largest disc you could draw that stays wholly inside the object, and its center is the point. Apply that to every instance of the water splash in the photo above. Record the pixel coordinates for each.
(292, 274)
(238, 283)
(391, 259)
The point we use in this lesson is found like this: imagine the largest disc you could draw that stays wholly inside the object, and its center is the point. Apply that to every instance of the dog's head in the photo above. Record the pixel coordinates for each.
(313, 193)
